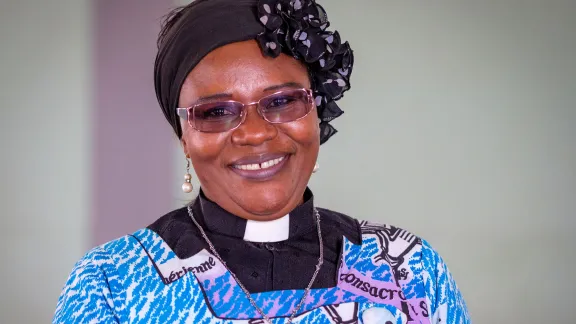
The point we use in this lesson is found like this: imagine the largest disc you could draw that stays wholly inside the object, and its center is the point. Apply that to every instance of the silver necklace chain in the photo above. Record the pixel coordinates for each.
(246, 292)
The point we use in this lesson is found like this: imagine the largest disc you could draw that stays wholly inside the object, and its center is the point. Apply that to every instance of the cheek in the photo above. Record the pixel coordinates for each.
(305, 132)
(203, 147)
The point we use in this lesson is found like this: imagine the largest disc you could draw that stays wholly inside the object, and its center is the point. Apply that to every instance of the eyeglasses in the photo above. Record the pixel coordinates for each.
(280, 107)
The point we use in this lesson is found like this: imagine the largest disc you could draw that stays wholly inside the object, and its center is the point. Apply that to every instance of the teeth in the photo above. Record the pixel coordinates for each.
(263, 165)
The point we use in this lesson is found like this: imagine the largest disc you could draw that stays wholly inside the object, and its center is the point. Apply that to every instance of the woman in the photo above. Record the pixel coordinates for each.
(250, 87)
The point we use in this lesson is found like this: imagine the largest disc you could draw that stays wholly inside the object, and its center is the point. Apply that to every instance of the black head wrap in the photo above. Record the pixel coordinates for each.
(295, 27)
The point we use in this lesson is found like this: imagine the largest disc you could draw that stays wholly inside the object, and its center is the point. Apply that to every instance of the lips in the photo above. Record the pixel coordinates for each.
(261, 166)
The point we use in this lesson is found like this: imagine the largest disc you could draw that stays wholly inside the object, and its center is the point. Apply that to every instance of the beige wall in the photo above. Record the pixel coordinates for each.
(45, 162)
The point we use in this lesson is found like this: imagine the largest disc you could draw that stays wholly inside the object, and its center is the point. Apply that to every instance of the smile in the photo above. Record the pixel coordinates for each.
(260, 168)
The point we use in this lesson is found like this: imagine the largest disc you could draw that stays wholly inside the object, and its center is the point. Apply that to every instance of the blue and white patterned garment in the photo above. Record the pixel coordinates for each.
(392, 277)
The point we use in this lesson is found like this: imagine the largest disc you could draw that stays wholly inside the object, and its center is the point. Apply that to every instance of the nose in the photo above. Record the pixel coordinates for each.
(255, 130)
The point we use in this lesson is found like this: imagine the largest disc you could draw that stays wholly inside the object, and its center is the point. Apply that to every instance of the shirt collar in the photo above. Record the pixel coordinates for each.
(217, 220)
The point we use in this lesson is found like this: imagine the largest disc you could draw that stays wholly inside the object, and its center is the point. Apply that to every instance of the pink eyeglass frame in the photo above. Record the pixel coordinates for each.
(186, 112)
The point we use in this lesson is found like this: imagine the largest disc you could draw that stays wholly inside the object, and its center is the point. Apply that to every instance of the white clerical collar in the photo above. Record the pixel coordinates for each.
(270, 231)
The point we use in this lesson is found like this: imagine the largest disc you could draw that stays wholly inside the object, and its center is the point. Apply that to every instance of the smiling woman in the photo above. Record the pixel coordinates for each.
(254, 159)
(250, 87)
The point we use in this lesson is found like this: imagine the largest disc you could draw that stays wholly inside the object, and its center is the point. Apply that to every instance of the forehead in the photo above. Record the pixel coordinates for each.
(240, 68)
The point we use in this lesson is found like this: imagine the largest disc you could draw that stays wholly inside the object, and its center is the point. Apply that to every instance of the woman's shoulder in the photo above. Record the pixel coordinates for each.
(363, 229)
(413, 263)
(125, 248)
(109, 260)
(384, 241)
(102, 280)
(148, 238)
(116, 258)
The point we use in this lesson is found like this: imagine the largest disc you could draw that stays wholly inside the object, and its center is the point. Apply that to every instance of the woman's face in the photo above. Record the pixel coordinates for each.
(240, 72)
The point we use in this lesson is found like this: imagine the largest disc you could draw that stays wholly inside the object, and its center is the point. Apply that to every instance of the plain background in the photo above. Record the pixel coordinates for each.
(460, 127)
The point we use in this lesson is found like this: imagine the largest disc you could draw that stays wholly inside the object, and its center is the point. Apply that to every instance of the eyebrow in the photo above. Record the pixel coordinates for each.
(229, 96)
(213, 97)
(285, 85)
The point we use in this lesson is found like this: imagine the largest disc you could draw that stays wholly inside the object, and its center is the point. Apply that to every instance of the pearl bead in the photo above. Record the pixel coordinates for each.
(187, 187)
(316, 167)
(187, 177)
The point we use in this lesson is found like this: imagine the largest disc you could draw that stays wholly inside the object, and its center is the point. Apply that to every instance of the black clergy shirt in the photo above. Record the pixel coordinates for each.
(269, 266)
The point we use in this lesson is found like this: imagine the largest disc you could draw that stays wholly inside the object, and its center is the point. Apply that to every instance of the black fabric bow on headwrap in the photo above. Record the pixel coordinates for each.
(294, 27)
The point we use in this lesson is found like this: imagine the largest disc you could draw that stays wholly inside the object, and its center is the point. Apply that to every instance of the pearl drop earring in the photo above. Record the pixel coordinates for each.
(316, 167)
(187, 185)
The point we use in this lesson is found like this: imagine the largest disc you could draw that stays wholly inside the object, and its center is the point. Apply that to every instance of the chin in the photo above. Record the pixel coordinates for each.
(269, 202)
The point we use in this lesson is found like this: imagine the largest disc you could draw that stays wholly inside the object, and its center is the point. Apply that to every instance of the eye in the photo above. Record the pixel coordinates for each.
(217, 112)
(280, 102)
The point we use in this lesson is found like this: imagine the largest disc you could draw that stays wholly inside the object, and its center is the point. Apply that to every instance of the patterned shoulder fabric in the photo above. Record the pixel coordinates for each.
(445, 299)
(392, 275)
(420, 271)
(87, 295)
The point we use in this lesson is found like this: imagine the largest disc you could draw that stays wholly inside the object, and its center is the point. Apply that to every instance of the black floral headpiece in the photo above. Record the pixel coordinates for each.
(299, 28)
